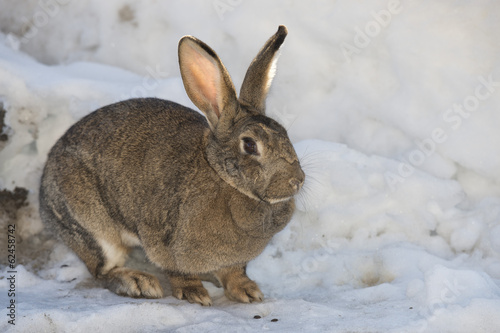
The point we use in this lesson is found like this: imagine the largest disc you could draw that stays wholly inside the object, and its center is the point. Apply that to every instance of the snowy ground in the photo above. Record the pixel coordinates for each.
(394, 110)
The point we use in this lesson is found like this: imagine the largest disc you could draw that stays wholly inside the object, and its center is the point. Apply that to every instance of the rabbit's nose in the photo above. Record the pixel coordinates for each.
(296, 183)
(297, 178)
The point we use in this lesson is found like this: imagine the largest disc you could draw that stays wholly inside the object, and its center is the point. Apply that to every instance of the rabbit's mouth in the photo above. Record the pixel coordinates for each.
(283, 186)
(273, 201)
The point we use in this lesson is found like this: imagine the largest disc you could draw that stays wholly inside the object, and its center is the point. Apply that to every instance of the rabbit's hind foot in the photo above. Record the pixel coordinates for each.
(128, 282)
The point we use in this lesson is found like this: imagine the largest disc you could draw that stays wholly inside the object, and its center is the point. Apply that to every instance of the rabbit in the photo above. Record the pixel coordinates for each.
(202, 194)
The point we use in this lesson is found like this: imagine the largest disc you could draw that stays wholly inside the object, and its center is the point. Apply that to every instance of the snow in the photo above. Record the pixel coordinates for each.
(393, 109)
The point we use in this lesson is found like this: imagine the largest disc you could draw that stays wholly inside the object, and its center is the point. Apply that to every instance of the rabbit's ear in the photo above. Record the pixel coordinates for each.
(261, 72)
(206, 80)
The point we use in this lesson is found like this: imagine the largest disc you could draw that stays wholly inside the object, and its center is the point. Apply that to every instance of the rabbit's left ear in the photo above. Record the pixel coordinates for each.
(261, 72)
(205, 79)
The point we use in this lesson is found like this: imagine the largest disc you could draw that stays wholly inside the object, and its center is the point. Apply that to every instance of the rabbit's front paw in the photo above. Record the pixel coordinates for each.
(128, 282)
(190, 288)
(244, 291)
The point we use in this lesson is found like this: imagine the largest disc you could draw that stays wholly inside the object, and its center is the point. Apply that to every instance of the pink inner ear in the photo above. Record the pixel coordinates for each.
(205, 78)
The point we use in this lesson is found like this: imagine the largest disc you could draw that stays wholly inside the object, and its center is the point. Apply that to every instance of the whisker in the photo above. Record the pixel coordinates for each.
(292, 122)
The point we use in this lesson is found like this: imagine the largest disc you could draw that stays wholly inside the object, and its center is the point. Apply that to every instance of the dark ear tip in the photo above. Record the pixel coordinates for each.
(197, 43)
(282, 30)
(185, 39)
(279, 37)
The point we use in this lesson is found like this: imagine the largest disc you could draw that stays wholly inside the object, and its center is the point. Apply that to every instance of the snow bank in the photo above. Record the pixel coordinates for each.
(393, 106)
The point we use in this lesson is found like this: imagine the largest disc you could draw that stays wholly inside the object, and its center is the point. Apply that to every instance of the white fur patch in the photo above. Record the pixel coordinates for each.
(129, 239)
(272, 70)
(273, 201)
(115, 256)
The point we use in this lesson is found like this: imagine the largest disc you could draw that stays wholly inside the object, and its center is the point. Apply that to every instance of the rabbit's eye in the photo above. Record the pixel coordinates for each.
(250, 146)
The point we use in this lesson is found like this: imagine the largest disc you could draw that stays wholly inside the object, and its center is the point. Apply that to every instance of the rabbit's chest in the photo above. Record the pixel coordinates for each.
(229, 233)
(214, 250)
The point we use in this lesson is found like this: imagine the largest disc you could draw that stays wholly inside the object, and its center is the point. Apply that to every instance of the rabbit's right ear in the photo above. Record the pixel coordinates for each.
(205, 78)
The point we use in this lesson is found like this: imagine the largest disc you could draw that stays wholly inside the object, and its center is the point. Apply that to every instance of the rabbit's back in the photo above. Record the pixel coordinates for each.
(132, 156)
(131, 129)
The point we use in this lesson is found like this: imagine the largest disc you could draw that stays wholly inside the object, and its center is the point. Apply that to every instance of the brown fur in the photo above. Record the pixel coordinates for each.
(154, 173)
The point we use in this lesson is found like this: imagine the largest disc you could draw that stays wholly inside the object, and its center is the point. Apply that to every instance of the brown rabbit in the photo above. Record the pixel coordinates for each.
(202, 198)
